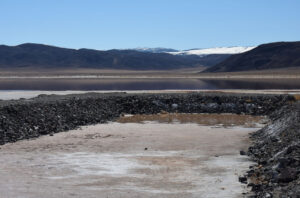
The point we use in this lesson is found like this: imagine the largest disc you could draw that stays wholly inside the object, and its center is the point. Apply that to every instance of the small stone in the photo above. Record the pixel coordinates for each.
(267, 195)
(287, 175)
(163, 112)
(243, 180)
(243, 153)
(145, 148)
(174, 106)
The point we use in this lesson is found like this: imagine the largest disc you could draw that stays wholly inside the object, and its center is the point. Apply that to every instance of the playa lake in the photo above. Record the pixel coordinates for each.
(89, 84)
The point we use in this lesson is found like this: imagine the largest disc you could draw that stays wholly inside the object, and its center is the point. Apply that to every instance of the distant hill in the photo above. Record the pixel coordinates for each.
(44, 56)
(267, 56)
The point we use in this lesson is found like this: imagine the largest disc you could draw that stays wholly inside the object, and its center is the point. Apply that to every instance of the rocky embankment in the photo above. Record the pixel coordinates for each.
(24, 119)
(276, 147)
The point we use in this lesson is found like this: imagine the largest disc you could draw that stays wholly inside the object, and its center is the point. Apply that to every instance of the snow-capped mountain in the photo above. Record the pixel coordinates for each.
(198, 51)
(155, 50)
(216, 50)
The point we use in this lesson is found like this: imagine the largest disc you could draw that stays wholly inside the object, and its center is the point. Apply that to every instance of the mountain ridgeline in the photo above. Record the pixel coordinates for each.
(44, 56)
(264, 57)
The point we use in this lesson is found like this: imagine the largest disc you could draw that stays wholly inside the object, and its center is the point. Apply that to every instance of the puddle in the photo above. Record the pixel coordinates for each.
(223, 120)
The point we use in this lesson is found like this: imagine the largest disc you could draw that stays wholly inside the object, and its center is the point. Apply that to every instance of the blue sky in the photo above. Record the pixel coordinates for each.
(180, 24)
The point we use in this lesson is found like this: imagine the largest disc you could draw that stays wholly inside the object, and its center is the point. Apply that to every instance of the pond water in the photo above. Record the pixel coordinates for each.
(145, 84)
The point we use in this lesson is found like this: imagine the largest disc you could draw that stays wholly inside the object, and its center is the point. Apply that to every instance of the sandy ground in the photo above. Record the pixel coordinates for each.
(15, 94)
(145, 159)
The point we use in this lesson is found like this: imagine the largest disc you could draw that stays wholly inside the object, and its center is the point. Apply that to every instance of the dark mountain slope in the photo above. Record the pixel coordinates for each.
(266, 56)
(43, 56)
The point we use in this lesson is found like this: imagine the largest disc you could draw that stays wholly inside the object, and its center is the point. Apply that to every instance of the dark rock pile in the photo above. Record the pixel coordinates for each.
(24, 119)
(277, 150)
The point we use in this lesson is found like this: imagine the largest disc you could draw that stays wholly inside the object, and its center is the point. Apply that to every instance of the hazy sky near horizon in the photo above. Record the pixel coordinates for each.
(179, 24)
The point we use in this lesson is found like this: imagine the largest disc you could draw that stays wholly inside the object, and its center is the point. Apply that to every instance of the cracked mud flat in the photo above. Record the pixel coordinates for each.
(151, 158)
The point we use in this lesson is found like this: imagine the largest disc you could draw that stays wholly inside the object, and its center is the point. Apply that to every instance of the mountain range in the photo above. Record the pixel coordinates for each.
(224, 59)
(264, 57)
(45, 56)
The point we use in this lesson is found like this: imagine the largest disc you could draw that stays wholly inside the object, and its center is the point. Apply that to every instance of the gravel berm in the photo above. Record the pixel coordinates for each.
(276, 149)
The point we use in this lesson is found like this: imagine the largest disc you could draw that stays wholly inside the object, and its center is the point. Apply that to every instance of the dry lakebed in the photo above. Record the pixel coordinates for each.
(159, 155)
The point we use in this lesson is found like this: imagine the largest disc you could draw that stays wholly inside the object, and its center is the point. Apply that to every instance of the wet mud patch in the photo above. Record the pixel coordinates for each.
(225, 120)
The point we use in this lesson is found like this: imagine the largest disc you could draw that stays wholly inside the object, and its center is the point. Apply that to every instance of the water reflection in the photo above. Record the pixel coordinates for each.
(144, 84)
